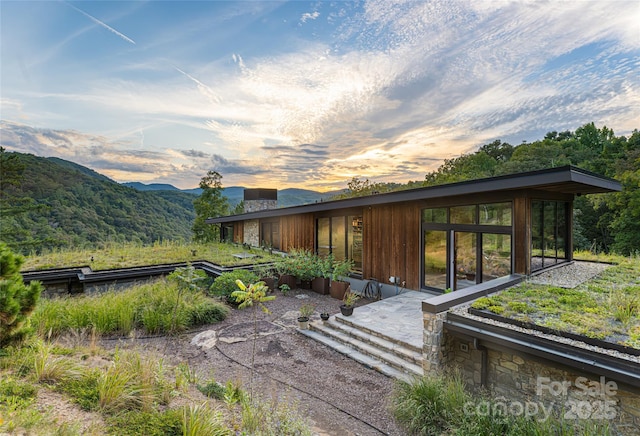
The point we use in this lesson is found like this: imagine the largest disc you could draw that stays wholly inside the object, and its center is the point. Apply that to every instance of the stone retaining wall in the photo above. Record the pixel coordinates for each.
(521, 382)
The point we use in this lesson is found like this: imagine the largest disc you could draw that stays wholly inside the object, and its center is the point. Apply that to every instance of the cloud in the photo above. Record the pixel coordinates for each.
(309, 16)
(395, 88)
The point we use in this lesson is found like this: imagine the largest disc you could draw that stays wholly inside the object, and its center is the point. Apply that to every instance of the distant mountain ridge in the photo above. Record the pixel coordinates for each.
(286, 197)
(68, 204)
(58, 203)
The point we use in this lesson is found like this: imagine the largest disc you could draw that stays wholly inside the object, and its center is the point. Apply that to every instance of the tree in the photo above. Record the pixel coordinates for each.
(252, 296)
(210, 204)
(17, 300)
(466, 167)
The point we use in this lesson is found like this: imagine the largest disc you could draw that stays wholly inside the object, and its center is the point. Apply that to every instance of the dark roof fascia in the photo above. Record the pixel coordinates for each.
(533, 179)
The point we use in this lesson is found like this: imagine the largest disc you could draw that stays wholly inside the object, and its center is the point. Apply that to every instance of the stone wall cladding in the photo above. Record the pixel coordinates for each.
(433, 341)
(256, 205)
(520, 378)
(252, 233)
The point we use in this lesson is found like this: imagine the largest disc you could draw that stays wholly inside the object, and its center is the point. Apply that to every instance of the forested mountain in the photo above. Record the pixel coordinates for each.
(58, 203)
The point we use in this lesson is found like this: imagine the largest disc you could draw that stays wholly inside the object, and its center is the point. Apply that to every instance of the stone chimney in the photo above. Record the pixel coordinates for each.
(260, 199)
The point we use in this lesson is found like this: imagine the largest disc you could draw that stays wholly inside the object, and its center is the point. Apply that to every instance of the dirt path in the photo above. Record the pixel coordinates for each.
(340, 396)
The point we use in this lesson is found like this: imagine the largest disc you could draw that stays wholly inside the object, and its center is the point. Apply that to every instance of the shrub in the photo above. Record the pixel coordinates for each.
(207, 312)
(213, 389)
(224, 285)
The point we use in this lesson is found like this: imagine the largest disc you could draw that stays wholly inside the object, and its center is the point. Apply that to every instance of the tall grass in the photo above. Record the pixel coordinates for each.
(436, 405)
(201, 420)
(150, 307)
(273, 416)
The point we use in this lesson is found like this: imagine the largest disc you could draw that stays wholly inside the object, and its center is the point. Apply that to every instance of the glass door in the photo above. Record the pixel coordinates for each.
(466, 259)
(435, 259)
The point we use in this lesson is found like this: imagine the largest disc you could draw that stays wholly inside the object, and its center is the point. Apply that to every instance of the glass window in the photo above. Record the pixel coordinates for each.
(562, 230)
(435, 215)
(548, 233)
(354, 241)
(463, 215)
(324, 241)
(342, 237)
(496, 256)
(338, 238)
(495, 214)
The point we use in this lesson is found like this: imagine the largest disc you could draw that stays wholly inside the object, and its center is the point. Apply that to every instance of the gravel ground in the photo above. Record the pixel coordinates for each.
(569, 276)
(338, 395)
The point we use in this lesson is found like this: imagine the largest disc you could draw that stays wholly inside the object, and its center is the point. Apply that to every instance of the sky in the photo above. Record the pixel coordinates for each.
(307, 94)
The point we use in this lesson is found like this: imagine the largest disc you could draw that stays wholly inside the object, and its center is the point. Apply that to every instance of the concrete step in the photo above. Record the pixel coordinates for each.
(386, 356)
(384, 343)
(359, 357)
(349, 321)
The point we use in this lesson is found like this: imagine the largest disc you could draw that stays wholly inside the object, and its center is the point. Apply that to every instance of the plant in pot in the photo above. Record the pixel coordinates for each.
(267, 274)
(320, 283)
(284, 268)
(348, 301)
(303, 266)
(339, 272)
(306, 310)
(325, 316)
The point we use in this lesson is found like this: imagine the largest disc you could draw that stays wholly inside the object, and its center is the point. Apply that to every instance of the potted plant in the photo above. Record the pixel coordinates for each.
(267, 274)
(348, 301)
(306, 310)
(284, 270)
(320, 283)
(303, 264)
(340, 271)
(325, 316)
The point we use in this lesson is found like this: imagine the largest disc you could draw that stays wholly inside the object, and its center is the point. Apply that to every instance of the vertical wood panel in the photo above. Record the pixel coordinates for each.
(522, 235)
(238, 232)
(297, 231)
(391, 240)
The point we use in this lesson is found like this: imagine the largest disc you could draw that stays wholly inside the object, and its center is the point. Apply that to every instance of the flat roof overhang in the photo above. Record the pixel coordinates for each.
(564, 180)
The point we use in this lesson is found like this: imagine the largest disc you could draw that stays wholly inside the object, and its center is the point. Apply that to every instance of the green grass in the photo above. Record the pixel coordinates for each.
(148, 307)
(113, 255)
(606, 307)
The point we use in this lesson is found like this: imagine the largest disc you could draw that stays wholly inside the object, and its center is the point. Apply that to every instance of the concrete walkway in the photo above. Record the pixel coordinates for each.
(398, 317)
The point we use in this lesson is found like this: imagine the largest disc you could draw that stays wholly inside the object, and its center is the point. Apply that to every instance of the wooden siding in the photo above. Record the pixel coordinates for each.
(391, 243)
(297, 231)
(522, 236)
(238, 232)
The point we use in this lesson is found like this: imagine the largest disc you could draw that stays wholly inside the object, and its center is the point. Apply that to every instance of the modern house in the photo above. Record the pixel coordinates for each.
(438, 238)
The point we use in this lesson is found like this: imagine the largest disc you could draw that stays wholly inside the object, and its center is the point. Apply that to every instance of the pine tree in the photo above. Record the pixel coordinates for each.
(17, 300)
